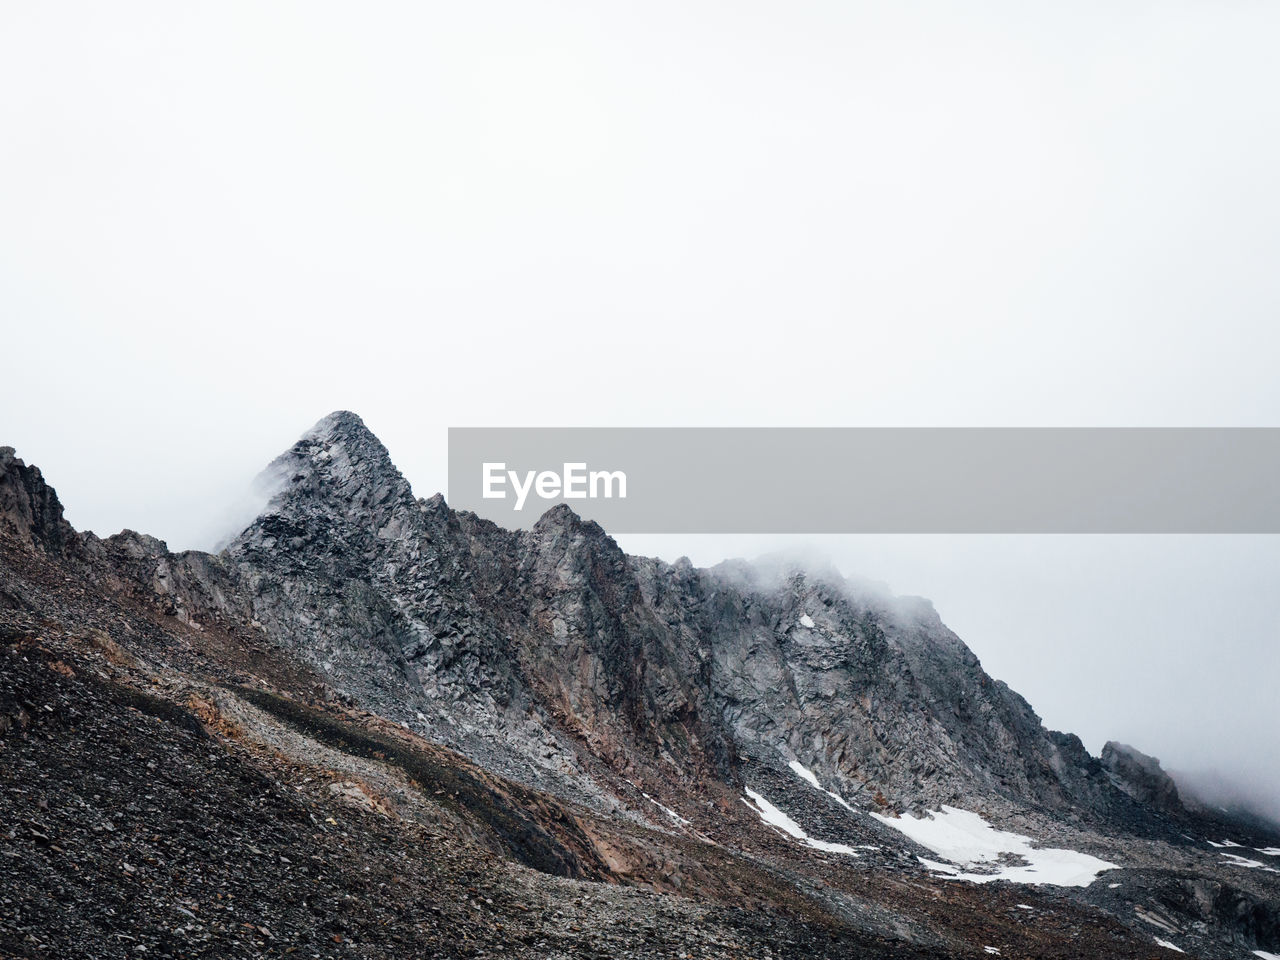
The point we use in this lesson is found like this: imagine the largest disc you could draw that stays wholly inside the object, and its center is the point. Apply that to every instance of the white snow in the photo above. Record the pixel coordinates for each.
(806, 621)
(800, 770)
(804, 773)
(1269, 851)
(776, 818)
(1024, 906)
(1238, 861)
(1167, 945)
(840, 800)
(1224, 843)
(667, 810)
(1266, 956)
(966, 840)
(829, 847)
(992, 950)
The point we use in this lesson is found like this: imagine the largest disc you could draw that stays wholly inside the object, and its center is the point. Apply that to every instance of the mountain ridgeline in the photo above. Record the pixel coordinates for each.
(553, 657)
(355, 726)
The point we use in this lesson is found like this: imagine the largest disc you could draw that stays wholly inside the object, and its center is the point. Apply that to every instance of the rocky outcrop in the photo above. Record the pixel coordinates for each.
(871, 691)
(1141, 777)
(30, 512)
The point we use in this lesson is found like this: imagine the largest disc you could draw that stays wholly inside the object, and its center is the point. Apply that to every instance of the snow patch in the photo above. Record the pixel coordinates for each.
(1167, 945)
(667, 810)
(1269, 851)
(1238, 861)
(965, 839)
(804, 773)
(992, 950)
(806, 621)
(1266, 956)
(800, 770)
(840, 800)
(776, 818)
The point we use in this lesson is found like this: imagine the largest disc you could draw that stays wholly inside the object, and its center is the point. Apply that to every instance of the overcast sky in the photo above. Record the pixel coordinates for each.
(219, 222)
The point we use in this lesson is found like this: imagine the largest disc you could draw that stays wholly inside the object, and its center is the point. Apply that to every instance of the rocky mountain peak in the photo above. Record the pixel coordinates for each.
(434, 503)
(346, 427)
(559, 515)
(338, 467)
(30, 511)
(335, 500)
(580, 551)
(343, 444)
(561, 519)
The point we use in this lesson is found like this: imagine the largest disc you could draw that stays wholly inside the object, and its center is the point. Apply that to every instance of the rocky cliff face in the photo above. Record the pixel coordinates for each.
(30, 512)
(1141, 777)
(532, 651)
(871, 691)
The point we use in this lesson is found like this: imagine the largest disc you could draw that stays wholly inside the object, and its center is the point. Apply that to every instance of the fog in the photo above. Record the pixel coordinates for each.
(220, 222)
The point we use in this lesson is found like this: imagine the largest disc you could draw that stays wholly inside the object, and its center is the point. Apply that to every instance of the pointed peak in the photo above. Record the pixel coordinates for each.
(560, 527)
(560, 513)
(345, 428)
(340, 469)
(339, 422)
(341, 435)
(562, 517)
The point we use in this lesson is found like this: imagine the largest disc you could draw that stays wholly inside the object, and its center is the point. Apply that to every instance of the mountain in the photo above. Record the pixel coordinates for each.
(720, 762)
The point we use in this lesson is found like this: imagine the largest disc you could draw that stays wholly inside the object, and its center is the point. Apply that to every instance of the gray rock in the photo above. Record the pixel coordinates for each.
(1141, 777)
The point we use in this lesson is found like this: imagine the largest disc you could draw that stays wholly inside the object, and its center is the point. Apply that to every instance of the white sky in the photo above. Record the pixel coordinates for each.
(219, 222)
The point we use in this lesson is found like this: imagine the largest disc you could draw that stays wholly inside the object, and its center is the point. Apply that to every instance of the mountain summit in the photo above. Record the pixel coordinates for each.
(338, 466)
